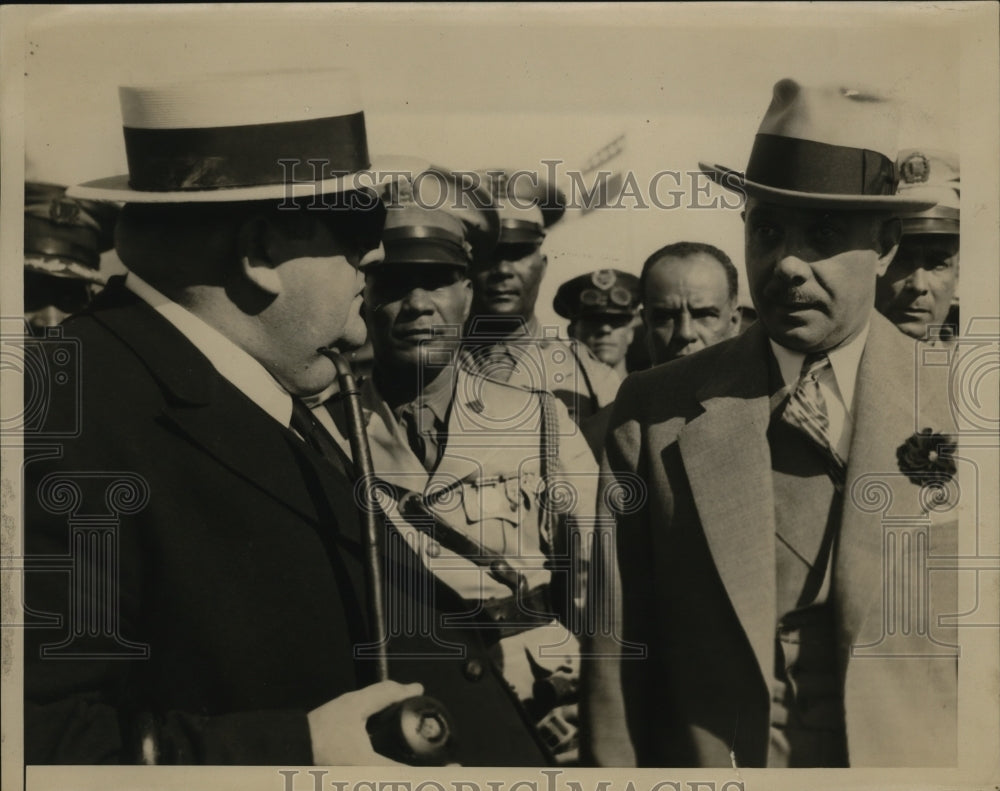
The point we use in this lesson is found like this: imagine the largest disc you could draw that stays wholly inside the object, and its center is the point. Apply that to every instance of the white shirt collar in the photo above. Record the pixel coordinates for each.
(232, 362)
(844, 360)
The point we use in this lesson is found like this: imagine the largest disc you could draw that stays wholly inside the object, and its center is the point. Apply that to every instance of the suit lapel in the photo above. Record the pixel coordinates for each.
(216, 417)
(883, 416)
(728, 464)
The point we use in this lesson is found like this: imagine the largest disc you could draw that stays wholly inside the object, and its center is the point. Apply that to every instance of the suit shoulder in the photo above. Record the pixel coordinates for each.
(684, 373)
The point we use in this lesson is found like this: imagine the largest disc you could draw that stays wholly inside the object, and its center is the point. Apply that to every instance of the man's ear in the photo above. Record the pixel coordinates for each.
(466, 299)
(735, 320)
(257, 262)
(890, 233)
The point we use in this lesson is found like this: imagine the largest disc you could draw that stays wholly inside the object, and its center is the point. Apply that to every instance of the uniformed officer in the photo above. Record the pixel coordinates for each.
(63, 242)
(509, 342)
(918, 292)
(602, 307)
(485, 478)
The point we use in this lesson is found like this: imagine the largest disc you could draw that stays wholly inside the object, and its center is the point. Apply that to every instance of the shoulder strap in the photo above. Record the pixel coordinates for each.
(549, 464)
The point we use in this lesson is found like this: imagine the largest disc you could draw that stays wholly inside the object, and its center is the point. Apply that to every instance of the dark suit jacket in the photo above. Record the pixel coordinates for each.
(227, 591)
(697, 567)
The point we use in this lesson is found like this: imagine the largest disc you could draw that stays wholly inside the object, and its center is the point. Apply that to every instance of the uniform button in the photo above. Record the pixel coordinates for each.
(473, 669)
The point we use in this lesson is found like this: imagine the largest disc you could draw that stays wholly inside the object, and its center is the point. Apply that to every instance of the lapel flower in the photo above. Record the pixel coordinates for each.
(926, 457)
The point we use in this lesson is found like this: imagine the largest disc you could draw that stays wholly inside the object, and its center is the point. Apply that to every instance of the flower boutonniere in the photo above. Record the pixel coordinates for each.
(926, 457)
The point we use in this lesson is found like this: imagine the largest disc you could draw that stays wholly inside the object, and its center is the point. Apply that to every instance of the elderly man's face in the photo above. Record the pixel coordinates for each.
(507, 284)
(687, 306)
(607, 336)
(919, 285)
(812, 271)
(414, 312)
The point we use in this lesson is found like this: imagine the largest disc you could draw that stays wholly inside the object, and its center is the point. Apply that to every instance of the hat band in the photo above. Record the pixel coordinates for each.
(167, 160)
(424, 244)
(423, 251)
(789, 163)
(919, 225)
(434, 232)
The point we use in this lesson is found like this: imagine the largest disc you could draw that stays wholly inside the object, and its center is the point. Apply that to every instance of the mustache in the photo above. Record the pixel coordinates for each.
(774, 291)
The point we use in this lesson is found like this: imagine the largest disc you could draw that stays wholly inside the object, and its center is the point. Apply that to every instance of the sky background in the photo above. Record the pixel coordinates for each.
(509, 85)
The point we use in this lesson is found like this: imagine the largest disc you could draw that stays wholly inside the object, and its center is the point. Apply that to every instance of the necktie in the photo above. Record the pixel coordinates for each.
(314, 434)
(806, 411)
(421, 433)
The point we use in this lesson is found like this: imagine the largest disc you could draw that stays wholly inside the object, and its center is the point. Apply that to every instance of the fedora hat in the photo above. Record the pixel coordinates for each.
(933, 175)
(244, 137)
(440, 218)
(823, 147)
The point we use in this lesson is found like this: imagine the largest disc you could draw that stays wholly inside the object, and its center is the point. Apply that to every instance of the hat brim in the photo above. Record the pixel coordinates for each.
(599, 313)
(382, 170)
(65, 268)
(735, 181)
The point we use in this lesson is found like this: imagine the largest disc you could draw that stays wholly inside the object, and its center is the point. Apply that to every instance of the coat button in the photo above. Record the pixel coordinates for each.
(473, 669)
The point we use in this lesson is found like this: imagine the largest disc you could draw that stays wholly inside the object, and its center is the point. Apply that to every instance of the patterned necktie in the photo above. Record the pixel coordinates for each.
(806, 411)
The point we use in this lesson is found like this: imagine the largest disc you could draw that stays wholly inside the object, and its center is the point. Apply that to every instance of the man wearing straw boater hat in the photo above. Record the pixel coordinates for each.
(774, 571)
(487, 461)
(196, 558)
(917, 293)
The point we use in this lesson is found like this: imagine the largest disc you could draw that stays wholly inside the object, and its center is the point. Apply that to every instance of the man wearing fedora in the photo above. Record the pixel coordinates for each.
(757, 574)
(918, 291)
(470, 466)
(196, 586)
(506, 339)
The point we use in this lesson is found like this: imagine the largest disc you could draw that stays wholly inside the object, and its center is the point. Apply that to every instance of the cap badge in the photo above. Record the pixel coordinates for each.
(915, 169)
(604, 278)
(64, 212)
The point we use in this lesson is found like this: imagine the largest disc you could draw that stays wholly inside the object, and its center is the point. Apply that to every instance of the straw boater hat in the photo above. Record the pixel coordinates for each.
(64, 237)
(828, 147)
(933, 175)
(245, 137)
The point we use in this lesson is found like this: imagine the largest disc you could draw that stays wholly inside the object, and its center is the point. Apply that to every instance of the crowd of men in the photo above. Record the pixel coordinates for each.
(199, 587)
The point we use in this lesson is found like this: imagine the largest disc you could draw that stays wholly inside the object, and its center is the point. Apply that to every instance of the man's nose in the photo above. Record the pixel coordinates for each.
(917, 281)
(685, 328)
(502, 269)
(49, 316)
(419, 300)
(791, 265)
